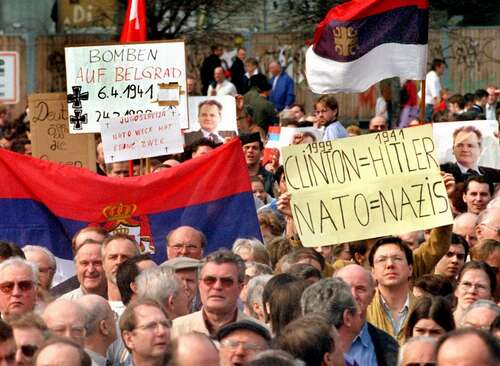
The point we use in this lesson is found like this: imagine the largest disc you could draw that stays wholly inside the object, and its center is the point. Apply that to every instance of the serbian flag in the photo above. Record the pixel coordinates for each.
(364, 41)
(134, 28)
(46, 203)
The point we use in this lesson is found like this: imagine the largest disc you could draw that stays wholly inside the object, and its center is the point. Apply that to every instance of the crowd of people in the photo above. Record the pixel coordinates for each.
(428, 297)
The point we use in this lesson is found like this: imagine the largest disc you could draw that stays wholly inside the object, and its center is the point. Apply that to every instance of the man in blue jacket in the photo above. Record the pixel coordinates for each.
(282, 93)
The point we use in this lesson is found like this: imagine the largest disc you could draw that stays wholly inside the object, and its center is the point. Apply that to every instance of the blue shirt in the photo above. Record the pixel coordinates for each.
(362, 349)
(334, 131)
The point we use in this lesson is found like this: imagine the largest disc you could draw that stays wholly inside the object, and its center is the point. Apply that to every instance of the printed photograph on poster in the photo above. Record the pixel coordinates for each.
(487, 154)
(211, 117)
(112, 81)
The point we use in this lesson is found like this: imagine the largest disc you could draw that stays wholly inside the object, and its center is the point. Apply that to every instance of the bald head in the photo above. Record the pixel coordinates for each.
(377, 123)
(185, 241)
(195, 349)
(361, 282)
(464, 225)
(66, 318)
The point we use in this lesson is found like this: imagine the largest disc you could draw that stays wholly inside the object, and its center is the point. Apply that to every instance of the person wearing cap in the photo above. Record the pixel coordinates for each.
(186, 270)
(241, 341)
(222, 275)
(253, 149)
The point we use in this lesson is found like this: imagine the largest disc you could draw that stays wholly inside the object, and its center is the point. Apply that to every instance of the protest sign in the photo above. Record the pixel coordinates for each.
(9, 77)
(366, 186)
(50, 137)
(119, 80)
(141, 136)
(490, 149)
(212, 114)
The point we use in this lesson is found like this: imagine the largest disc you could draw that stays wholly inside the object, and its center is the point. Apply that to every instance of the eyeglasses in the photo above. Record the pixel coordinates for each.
(396, 259)
(228, 343)
(420, 364)
(225, 282)
(28, 350)
(476, 286)
(75, 331)
(8, 287)
(155, 325)
(460, 256)
(187, 247)
(45, 269)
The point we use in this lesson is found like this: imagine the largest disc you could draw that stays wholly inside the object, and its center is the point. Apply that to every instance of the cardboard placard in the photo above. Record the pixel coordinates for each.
(50, 138)
(119, 80)
(386, 183)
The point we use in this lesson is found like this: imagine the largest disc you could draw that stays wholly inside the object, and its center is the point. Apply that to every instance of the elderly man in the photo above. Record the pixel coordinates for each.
(100, 327)
(372, 346)
(332, 297)
(221, 86)
(45, 261)
(116, 249)
(194, 349)
(145, 329)
(222, 275)
(66, 318)
(468, 346)
(185, 241)
(161, 284)
(487, 225)
(282, 94)
(464, 225)
(7, 345)
(480, 315)
(18, 286)
(418, 351)
(467, 145)
(62, 352)
(186, 270)
(377, 124)
(89, 271)
(241, 341)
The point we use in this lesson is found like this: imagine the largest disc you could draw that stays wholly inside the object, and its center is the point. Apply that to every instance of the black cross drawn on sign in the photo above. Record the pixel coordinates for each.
(77, 97)
(78, 119)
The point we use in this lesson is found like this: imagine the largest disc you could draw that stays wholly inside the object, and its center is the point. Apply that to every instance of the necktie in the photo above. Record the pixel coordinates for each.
(472, 172)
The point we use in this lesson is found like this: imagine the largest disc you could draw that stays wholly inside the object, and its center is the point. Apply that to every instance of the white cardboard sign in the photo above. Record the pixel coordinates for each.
(9, 77)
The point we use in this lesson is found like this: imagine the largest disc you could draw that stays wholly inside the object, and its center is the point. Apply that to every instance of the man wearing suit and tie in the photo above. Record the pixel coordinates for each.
(209, 116)
(467, 149)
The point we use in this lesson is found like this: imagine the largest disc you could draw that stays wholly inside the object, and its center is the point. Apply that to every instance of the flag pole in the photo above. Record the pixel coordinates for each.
(422, 101)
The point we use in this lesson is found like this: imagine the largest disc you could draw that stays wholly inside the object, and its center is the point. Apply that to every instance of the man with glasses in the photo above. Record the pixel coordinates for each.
(18, 279)
(185, 241)
(30, 332)
(418, 351)
(145, 330)
(66, 318)
(241, 341)
(452, 262)
(222, 276)
(100, 327)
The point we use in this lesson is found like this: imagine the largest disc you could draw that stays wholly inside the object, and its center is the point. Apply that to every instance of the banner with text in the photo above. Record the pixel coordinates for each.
(50, 138)
(119, 80)
(141, 136)
(368, 186)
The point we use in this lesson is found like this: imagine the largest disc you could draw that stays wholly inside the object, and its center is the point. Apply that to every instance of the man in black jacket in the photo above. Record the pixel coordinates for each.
(208, 66)
(372, 346)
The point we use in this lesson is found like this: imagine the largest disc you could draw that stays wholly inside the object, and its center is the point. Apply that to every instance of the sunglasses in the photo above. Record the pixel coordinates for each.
(28, 350)
(8, 287)
(225, 282)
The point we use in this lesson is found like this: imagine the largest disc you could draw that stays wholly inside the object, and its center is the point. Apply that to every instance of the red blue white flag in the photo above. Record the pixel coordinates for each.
(361, 42)
(46, 203)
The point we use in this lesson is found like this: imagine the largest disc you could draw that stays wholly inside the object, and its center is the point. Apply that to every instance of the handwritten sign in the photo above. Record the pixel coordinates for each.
(490, 149)
(9, 77)
(120, 80)
(141, 136)
(50, 138)
(365, 187)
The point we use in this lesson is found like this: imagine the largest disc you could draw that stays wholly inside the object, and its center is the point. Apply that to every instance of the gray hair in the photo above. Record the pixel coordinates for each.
(96, 309)
(20, 262)
(370, 280)
(482, 303)
(485, 215)
(254, 246)
(158, 283)
(330, 296)
(255, 289)
(411, 340)
(222, 256)
(260, 268)
(48, 253)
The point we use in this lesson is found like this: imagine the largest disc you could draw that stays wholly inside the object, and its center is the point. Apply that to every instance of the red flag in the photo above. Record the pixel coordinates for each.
(134, 27)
